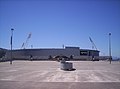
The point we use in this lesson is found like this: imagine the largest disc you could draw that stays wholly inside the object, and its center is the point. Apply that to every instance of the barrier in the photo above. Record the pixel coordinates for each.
(66, 66)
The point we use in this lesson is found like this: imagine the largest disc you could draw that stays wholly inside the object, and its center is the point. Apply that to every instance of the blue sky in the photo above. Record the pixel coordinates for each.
(57, 22)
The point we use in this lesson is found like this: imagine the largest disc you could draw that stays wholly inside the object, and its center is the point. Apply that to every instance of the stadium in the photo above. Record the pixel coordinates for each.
(73, 53)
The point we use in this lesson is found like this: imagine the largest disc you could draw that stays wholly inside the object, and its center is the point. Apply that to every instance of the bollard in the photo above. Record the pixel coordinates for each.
(66, 66)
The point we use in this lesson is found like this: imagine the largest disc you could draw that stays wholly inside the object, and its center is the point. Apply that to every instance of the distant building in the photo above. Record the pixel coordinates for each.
(75, 52)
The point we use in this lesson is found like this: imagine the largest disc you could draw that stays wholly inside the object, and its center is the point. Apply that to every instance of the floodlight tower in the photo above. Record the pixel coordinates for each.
(93, 44)
(24, 45)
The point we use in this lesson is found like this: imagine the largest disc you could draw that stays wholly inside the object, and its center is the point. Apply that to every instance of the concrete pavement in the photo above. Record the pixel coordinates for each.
(47, 75)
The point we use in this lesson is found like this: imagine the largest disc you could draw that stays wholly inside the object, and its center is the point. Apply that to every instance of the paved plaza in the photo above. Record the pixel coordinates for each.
(48, 75)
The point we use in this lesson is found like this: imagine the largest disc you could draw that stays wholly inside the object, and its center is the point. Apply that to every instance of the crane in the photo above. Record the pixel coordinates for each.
(24, 45)
(93, 44)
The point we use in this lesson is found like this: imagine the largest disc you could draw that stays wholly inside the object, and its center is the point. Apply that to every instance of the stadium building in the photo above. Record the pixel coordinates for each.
(46, 54)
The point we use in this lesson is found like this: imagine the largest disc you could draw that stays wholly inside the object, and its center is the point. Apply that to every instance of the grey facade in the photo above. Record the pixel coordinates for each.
(76, 52)
(87, 52)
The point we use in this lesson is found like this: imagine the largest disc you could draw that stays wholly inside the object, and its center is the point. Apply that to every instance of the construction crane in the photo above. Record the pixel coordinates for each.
(24, 45)
(93, 44)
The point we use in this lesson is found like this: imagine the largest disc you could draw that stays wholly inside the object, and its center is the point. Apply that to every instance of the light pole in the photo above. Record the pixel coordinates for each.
(11, 44)
(110, 57)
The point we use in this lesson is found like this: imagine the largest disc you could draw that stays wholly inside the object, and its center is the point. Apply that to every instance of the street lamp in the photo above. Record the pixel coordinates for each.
(110, 57)
(11, 44)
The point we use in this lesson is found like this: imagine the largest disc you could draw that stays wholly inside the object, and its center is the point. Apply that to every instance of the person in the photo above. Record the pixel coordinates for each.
(31, 57)
(93, 59)
(71, 57)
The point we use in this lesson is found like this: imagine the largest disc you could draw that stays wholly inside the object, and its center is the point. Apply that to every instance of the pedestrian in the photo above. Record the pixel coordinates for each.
(31, 57)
